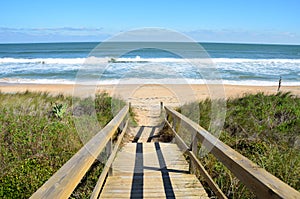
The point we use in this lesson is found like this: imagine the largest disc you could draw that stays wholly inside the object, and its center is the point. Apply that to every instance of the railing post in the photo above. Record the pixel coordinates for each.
(194, 150)
(174, 123)
(173, 127)
(109, 148)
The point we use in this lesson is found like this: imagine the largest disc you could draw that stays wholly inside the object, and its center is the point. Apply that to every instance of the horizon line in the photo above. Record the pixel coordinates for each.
(203, 42)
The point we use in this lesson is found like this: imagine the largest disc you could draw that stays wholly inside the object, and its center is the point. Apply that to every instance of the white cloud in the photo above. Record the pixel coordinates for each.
(19, 35)
(244, 36)
(69, 34)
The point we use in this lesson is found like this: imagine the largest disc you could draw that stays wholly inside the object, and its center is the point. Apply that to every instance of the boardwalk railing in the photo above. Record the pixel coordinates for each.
(257, 179)
(65, 180)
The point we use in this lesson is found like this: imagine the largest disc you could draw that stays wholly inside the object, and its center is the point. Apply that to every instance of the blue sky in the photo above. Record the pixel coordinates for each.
(255, 21)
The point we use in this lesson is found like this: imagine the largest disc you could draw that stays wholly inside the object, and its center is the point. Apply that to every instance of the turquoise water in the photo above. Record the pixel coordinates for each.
(242, 64)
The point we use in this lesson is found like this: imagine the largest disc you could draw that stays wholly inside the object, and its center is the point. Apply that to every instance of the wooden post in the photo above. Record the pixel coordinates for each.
(109, 148)
(174, 123)
(279, 85)
(194, 150)
(167, 122)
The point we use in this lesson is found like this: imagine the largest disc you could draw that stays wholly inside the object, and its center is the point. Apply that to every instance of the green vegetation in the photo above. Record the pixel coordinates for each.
(264, 128)
(58, 110)
(38, 134)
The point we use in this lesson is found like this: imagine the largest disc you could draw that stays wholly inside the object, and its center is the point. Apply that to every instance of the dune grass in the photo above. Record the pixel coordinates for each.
(264, 128)
(38, 135)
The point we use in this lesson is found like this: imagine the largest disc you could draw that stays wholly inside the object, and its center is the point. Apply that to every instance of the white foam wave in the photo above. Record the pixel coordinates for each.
(139, 59)
(35, 81)
(201, 60)
(44, 60)
(237, 60)
(147, 81)
(196, 81)
(258, 83)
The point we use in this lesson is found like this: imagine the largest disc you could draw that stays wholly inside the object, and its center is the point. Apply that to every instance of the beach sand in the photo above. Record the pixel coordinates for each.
(145, 99)
(165, 93)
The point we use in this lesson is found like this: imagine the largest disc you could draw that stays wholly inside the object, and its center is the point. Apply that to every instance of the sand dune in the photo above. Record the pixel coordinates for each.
(145, 99)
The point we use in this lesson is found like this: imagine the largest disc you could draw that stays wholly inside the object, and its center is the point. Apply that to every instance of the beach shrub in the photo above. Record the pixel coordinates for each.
(265, 129)
(58, 110)
(35, 144)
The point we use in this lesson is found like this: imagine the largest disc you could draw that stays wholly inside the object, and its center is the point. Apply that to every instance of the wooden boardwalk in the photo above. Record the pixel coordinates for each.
(151, 170)
(145, 168)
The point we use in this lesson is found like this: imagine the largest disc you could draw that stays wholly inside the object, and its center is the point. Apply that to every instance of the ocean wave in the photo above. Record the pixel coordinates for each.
(87, 60)
(238, 60)
(35, 81)
(139, 59)
(148, 81)
(233, 70)
(43, 60)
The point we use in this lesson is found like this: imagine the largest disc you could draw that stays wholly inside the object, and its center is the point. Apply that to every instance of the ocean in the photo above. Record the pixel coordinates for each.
(237, 64)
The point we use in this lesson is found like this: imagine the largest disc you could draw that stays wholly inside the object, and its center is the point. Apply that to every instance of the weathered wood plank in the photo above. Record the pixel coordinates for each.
(158, 192)
(164, 172)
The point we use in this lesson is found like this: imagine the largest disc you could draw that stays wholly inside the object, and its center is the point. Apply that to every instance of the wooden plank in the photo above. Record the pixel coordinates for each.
(261, 182)
(198, 165)
(144, 133)
(184, 195)
(65, 180)
(152, 183)
(172, 155)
